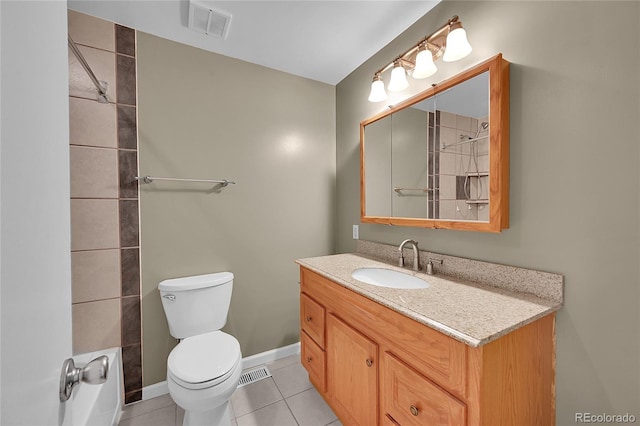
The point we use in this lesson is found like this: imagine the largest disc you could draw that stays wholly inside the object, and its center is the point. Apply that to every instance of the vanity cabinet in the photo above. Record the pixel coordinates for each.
(376, 366)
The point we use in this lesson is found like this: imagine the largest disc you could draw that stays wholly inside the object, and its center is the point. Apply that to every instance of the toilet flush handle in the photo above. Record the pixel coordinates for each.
(171, 297)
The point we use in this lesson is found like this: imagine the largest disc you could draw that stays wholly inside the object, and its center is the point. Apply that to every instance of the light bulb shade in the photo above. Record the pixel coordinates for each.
(457, 45)
(424, 65)
(398, 80)
(377, 91)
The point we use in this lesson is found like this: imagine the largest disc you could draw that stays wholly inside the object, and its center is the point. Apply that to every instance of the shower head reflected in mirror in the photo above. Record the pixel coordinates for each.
(483, 126)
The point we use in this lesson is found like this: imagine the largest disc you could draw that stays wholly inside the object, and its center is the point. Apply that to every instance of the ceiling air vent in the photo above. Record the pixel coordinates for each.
(206, 20)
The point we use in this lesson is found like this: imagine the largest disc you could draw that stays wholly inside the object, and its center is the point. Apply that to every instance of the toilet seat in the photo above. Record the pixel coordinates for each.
(204, 360)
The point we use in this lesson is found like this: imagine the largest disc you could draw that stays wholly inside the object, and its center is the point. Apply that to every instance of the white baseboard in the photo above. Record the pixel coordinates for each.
(270, 356)
(159, 389)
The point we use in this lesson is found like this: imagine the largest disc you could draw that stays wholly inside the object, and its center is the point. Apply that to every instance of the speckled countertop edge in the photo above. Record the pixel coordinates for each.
(472, 313)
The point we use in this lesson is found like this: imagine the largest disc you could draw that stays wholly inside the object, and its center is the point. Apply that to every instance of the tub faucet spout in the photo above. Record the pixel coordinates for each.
(414, 244)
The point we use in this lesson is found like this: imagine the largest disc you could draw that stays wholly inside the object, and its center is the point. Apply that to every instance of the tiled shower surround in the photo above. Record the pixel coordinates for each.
(450, 159)
(105, 252)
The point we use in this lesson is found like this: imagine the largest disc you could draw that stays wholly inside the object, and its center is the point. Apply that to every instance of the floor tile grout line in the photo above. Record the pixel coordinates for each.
(175, 407)
(291, 411)
(268, 405)
(298, 393)
(150, 411)
(307, 390)
(275, 384)
(277, 387)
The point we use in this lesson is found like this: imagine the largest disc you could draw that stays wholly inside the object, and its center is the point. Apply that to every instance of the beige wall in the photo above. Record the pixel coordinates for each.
(203, 115)
(574, 175)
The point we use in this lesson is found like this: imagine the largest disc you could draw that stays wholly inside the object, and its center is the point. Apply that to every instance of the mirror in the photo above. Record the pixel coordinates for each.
(441, 158)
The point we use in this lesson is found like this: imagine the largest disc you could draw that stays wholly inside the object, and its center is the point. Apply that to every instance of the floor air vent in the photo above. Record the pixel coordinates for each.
(253, 376)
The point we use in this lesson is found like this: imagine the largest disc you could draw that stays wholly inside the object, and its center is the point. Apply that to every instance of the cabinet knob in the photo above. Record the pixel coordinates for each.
(309, 359)
(414, 410)
(308, 318)
(369, 362)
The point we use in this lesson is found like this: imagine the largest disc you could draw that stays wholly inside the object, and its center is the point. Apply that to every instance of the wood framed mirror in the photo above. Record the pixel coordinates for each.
(441, 158)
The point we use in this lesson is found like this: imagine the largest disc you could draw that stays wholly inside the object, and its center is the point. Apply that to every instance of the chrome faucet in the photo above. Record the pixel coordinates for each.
(414, 244)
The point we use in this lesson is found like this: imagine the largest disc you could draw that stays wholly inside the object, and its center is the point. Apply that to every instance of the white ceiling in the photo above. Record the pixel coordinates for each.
(320, 40)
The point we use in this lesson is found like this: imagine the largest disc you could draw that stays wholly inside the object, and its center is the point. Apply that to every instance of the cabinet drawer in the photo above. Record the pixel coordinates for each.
(312, 319)
(411, 399)
(313, 360)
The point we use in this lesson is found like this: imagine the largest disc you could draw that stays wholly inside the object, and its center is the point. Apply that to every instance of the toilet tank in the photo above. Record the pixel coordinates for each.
(197, 304)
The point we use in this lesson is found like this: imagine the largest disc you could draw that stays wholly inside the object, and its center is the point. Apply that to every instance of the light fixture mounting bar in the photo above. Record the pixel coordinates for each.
(429, 41)
(448, 42)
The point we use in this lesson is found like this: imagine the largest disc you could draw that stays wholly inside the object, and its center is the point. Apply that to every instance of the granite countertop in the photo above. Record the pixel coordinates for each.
(472, 313)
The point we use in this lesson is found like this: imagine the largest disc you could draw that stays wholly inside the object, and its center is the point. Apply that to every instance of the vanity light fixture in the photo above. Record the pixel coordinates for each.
(377, 90)
(457, 45)
(448, 42)
(425, 67)
(398, 80)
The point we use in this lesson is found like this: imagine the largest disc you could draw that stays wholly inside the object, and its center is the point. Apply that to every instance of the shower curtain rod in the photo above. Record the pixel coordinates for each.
(102, 91)
(462, 142)
(149, 179)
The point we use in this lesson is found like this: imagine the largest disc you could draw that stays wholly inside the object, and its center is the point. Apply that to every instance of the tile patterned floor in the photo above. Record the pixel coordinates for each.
(286, 398)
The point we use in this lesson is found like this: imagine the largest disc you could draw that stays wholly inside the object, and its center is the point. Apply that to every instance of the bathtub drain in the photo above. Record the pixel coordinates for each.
(253, 376)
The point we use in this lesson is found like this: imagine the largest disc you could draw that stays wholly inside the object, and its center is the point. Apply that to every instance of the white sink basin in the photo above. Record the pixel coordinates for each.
(388, 278)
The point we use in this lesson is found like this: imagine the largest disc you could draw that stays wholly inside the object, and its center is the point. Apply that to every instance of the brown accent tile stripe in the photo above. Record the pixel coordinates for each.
(132, 366)
(134, 396)
(127, 130)
(127, 127)
(131, 324)
(129, 226)
(130, 267)
(125, 40)
(126, 80)
(128, 170)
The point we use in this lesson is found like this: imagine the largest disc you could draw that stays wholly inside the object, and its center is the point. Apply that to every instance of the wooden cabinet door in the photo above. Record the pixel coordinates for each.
(352, 374)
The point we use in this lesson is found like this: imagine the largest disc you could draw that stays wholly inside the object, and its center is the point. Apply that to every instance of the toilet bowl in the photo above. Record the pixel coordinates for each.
(204, 369)
(202, 373)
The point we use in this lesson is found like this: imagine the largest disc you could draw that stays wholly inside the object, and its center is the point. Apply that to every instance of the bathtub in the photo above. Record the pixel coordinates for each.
(97, 405)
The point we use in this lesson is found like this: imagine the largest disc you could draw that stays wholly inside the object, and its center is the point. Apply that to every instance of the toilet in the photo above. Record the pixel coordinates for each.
(203, 370)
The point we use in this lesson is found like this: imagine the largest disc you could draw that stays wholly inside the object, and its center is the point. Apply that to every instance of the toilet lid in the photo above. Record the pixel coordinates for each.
(204, 357)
